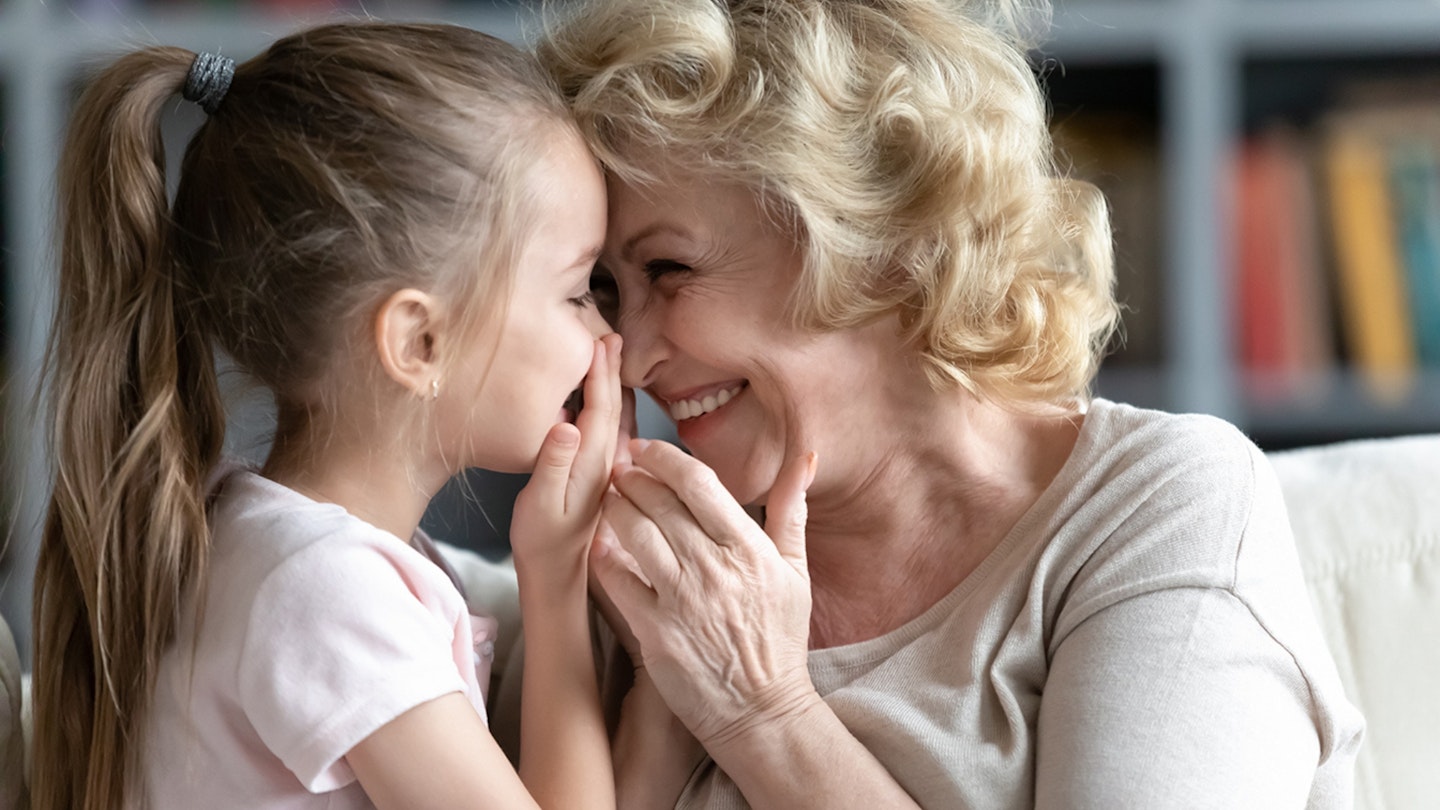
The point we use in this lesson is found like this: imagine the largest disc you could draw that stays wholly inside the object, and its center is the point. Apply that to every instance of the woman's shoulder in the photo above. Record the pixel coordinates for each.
(1152, 492)
(1160, 460)
(1117, 434)
(1158, 501)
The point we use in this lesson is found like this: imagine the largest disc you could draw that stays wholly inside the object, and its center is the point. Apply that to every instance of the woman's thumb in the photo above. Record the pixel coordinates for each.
(785, 509)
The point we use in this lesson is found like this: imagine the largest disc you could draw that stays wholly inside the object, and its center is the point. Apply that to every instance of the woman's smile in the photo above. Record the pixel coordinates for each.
(701, 402)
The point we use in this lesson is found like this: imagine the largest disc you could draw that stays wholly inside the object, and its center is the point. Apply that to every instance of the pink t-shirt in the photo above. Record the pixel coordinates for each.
(317, 629)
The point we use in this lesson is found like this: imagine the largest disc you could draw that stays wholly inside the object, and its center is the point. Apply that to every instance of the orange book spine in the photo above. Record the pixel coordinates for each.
(1376, 320)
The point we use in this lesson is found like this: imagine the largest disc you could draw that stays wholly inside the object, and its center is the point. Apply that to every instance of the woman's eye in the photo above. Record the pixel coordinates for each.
(658, 268)
(606, 294)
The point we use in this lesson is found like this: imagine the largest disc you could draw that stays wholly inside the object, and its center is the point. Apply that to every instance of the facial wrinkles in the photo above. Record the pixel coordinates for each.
(654, 311)
(851, 402)
(795, 438)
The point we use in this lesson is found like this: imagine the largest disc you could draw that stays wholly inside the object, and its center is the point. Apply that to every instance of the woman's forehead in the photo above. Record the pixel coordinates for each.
(678, 206)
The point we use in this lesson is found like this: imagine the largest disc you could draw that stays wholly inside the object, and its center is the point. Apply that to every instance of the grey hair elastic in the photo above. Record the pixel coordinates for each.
(208, 81)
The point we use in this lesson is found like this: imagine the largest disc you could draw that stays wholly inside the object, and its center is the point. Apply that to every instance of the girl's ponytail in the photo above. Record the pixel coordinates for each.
(333, 171)
(137, 423)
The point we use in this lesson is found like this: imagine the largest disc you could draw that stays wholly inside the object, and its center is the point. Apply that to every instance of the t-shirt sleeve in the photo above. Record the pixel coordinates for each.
(1168, 685)
(339, 643)
(1176, 698)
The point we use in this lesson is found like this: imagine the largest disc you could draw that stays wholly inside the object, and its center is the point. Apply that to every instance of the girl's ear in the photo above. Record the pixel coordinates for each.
(407, 340)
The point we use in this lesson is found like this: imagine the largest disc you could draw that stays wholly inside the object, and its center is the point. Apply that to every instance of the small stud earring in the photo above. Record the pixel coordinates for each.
(434, 389)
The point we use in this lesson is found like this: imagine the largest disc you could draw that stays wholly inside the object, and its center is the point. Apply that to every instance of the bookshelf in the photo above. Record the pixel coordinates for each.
(1196, 74)
(1224, 66)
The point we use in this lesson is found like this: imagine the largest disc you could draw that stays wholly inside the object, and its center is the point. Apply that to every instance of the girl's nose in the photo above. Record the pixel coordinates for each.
(597, 324)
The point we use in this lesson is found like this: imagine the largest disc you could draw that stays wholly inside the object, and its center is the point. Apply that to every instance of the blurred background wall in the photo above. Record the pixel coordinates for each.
(1273, 168)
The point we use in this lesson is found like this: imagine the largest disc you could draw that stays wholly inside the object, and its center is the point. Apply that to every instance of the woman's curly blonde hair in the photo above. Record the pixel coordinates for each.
(903, 142)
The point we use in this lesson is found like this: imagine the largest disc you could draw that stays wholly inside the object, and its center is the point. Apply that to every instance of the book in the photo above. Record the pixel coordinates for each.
(1415, 182)
(1284, 343)
(1375, 317)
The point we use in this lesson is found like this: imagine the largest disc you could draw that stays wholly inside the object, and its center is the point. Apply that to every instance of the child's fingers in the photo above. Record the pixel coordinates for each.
(615, 398)
(628, 427)
(608, 391)
(552, 467)
(599, 423)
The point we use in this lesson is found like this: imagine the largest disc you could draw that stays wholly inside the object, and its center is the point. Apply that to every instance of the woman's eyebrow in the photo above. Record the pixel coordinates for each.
(627, 248)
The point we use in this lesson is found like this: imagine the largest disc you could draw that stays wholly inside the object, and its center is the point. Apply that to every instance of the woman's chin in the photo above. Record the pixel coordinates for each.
(745, 485)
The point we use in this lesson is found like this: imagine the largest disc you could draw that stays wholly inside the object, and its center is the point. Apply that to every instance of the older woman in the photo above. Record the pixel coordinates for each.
(847, 268)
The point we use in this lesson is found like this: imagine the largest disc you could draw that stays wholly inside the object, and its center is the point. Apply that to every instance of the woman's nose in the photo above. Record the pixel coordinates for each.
(644, 349)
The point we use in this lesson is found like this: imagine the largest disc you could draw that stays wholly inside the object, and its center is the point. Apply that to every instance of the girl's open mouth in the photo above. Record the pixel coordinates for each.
(573, 404)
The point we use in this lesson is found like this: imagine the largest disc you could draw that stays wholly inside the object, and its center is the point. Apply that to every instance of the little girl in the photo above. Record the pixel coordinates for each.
(392, 227)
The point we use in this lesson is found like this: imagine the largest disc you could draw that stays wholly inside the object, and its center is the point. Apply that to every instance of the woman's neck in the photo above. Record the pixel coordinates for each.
(946, 490)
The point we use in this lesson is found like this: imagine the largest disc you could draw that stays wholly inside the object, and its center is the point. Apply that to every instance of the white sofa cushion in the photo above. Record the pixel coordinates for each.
(1366, 517)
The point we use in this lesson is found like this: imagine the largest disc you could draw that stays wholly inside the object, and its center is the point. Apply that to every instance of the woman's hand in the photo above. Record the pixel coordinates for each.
(720, 607)
(555, 514)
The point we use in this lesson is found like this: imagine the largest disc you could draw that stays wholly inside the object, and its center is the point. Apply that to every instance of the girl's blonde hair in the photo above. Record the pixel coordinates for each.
(903, 142)
(346, 162)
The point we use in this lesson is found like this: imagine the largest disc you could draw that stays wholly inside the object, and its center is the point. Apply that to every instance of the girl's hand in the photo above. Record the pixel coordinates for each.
(598, 596)
(720, 607)
(555, 514)
(628, 426)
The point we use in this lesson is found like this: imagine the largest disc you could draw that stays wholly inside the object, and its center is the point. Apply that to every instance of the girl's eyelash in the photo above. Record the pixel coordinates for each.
(662, 267)
(584, 300)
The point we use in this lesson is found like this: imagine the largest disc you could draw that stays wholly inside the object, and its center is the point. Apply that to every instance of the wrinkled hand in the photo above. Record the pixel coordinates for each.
(555, 514)
(720, 607)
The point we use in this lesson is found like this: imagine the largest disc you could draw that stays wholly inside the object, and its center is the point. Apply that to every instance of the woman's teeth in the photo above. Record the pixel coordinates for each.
(691, 408)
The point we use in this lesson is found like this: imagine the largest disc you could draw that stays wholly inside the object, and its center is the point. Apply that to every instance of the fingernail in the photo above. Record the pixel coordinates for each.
(638, 445)
(811, 465)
